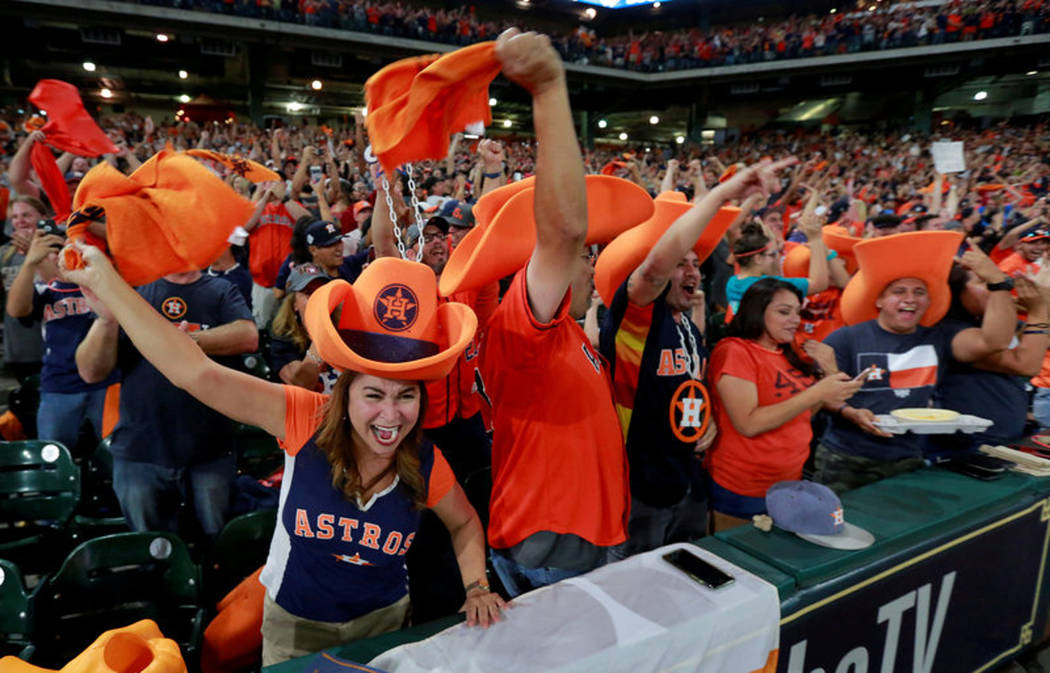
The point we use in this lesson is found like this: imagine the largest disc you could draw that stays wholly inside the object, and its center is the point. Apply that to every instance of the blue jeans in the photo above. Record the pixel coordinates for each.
(150, 494)
(60, 415)
(517, 579)
(1041, 407)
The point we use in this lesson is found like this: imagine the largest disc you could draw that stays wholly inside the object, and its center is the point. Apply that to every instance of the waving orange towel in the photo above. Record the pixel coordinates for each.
(415, 104)
(170, 215)
(246, 168)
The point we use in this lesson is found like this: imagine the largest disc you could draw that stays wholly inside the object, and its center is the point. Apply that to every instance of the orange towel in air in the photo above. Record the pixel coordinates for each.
(233, 640)
(170, 215)
(246, 168)
(69, 128)
(416, 104)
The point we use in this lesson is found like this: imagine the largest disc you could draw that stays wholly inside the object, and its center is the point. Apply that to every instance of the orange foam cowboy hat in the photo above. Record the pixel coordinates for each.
(926, 255)
(171, 215)
(390, 323)
(796, 261)
(140, 646)
(416, 104)
(505, 235)
(629, 249)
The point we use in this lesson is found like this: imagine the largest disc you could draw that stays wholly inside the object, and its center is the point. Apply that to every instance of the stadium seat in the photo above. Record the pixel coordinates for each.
(257, 452)
(39, 489)
(115, 580)
(255, 364)
(239, 549)
(99, 510)
(15, 613)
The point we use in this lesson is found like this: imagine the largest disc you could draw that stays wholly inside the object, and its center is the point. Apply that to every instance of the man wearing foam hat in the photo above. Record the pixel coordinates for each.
(650, 276)
(892, 308)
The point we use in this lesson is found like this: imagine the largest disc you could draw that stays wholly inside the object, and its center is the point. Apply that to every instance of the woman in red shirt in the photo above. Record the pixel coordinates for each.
(763, 395)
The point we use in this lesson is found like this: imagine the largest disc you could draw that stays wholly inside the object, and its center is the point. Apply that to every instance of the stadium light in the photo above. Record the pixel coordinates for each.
(656, 5)
(1031, 73)
(106, 93)
(590, 13)
(679, 139)
(184, 98)
(89, 66)
(316, 85)
(492, 102)
(623, 136)
(295, 106)
(833, 10)
(654, 120)
(161, 37)
(507, 123)
(602, 123)
(980, 95)
(183, 74)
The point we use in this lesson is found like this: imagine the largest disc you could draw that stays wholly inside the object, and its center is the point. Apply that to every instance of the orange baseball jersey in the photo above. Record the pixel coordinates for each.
(271, 241)
(558, 461)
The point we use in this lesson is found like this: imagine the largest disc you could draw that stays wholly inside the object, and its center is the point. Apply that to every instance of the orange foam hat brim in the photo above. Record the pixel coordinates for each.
(457, 324)
(504, 244)
(416, 104)
(796, 261)
(926, 255)
(621, 257)
(246, 168)
(116, 645)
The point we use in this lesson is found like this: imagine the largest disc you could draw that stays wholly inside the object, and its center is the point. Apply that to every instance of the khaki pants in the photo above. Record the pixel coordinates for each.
(286, 636)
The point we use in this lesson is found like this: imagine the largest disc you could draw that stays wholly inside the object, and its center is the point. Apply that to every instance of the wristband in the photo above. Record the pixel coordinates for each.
(833, 254)
(477, 584)
(1039, 325)
(1035, 331)
(498, 174)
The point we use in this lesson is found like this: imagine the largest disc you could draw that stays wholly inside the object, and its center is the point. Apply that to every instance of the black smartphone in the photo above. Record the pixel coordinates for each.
(49, 226)
(697, 568)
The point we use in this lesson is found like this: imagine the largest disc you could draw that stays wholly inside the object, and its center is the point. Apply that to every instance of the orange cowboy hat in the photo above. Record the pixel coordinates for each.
(246, 168)
(926, 255)
(416, 104)
(628, 250)
(171, 215)
(796, 261)
(390, 323)
(141, 643)
(505, 235)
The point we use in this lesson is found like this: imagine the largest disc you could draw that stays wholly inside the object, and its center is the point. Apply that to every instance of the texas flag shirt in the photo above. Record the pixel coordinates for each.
(907, 369)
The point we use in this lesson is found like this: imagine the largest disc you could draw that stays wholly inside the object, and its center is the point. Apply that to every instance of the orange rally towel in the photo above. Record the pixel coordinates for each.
(170, 215)
(233, 640)
(246, 168)
(69, 128)
(416, 104)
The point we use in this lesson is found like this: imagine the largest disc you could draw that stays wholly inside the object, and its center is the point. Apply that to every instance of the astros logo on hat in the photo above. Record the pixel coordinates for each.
(389, 323)
(396, 307)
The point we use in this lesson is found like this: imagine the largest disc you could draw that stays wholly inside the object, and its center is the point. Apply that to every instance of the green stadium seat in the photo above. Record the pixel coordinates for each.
(113, 581)
(16, 626)
(239, 549)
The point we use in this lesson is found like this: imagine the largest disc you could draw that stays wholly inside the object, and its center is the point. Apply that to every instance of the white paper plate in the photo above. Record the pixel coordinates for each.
(964, 423)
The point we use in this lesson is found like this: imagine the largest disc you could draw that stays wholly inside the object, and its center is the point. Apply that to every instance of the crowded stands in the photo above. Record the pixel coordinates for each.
(504, 362)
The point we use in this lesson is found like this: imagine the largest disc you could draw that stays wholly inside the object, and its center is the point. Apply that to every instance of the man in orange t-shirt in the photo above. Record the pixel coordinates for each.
(560, 493)
(1029, 250)
(270, 228)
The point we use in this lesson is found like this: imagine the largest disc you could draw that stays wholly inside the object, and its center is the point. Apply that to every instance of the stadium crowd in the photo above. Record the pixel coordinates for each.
(772, 274)
(845, 30)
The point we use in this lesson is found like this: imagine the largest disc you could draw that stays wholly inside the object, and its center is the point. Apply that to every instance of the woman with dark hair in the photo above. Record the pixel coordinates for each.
(763, 395)
(993, 387)
(357, 470)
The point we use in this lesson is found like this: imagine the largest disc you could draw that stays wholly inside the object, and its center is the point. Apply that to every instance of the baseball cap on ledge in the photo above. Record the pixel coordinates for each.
(814, 513)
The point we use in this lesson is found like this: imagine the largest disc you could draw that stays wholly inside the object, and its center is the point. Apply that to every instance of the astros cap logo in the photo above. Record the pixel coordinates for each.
(173, 308)
(396, 307)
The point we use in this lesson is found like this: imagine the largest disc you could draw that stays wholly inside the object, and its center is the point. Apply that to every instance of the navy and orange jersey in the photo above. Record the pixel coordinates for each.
(558, 462)
(65, 318)
(649, 364)
(330, 559)
(907, 368)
